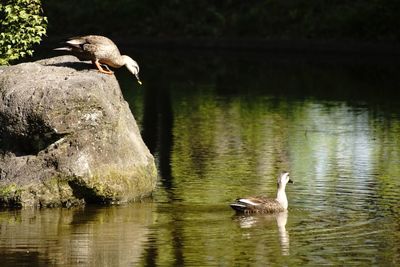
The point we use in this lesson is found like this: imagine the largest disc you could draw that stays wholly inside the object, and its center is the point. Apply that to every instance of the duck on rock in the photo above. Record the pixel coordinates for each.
(260, 204)
(102, 52)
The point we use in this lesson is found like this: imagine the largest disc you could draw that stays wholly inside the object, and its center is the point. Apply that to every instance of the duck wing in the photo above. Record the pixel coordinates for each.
(257, 205)
(91, 47)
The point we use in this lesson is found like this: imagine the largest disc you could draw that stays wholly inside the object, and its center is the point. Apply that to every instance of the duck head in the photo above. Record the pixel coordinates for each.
(132, 66)
(284, 179)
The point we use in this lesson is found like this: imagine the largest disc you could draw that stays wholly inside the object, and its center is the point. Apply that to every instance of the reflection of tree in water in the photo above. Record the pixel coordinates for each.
(157, 134)
(157, 126)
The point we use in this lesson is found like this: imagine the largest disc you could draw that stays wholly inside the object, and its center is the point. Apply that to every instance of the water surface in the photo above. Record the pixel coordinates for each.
(225, 125)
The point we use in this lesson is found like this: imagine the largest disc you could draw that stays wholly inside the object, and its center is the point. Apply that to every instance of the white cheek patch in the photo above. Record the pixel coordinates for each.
(246, 201)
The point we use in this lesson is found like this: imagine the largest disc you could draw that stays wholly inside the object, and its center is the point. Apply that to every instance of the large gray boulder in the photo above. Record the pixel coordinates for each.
(68, 137)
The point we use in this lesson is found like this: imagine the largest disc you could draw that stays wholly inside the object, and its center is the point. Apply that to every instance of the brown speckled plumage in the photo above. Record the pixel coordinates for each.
(101, 51)
(265, 205)
(92, 47)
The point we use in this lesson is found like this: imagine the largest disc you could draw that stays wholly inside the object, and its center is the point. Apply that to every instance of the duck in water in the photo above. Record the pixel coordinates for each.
(262, 204)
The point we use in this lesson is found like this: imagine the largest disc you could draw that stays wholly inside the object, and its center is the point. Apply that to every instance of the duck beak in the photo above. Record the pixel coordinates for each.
(291, 181)
(138, 80)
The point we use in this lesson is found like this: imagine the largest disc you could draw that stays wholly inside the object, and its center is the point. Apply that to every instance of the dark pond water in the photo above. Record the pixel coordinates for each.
(223, 125)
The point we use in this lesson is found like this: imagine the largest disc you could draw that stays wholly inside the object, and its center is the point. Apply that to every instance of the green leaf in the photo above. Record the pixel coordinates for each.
(22, 26)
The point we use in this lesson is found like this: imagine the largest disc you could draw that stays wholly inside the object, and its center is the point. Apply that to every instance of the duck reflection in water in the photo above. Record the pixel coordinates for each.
(249, 221)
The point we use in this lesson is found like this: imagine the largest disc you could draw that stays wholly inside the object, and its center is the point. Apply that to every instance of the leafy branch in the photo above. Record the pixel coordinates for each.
(22, 25)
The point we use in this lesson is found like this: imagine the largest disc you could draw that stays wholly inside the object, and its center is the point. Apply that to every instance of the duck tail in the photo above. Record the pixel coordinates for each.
(238, 207)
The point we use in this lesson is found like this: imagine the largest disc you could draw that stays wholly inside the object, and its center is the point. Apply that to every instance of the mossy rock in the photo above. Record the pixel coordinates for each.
(68, 137)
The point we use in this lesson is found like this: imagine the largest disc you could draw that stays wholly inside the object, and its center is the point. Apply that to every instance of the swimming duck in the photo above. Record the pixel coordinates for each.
(262, 204)
(102, 52)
